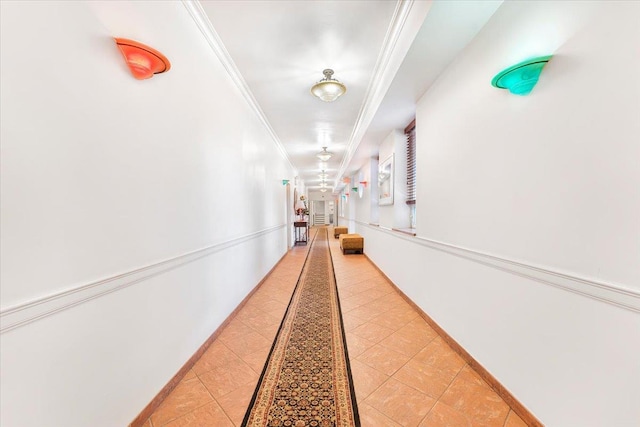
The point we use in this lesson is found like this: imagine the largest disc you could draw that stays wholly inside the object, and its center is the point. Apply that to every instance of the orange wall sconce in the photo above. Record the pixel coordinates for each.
(142, 60)
(363, 183)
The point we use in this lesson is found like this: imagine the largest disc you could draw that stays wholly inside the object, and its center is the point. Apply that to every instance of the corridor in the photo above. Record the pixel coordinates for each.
(404, 374)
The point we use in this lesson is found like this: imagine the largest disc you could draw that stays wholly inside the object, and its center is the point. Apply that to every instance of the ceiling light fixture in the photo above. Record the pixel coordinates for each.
(324, 155)
(324, 190)
(328, 89)
(323, 175)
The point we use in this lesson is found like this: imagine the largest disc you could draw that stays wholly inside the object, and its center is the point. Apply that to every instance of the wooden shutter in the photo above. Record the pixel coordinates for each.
(410, 132)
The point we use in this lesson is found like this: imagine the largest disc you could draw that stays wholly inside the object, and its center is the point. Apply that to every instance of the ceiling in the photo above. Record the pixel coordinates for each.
(387, 53)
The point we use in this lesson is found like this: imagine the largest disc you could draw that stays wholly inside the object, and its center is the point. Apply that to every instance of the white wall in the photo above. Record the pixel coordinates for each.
(366, 206)
(103, 175)
(550, 181)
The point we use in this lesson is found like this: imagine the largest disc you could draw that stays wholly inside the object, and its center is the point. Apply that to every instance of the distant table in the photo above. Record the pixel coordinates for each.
(301, 232)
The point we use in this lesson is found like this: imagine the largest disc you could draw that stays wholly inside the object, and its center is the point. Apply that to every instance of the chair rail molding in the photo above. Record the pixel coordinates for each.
(40, 308)
(609, 293)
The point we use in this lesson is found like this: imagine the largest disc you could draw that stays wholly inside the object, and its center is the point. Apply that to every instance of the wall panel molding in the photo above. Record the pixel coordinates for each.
(613, 294)
(40, 308)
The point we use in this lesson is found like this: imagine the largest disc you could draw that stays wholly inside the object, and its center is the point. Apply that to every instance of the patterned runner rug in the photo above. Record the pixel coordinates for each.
(306, 381)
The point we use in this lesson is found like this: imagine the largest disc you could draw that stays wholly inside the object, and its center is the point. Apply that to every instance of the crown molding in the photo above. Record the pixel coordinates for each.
(403, 28)
(205, 26)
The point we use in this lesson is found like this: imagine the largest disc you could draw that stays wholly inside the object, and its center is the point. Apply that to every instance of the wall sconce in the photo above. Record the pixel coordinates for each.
(346, 180)
(142, 60)
(522, 77)
(361, 187)
(285, 181)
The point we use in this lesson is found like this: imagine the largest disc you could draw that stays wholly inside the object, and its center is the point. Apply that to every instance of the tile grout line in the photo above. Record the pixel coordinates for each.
(445, 390)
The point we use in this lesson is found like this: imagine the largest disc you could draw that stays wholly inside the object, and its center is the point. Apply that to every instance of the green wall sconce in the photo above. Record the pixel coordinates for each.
(285, 181)
(522, 77)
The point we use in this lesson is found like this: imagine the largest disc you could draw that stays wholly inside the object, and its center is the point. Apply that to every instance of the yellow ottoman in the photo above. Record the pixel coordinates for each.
(340, 230)
(352, 242)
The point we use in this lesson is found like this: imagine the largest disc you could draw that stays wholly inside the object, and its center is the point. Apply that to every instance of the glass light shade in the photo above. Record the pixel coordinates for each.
(522, 77)
(324, 190)
(324, 155)
(142, 60)
(328, 89)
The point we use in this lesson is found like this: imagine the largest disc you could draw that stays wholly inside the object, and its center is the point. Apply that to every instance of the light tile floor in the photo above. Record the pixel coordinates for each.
(404, 374)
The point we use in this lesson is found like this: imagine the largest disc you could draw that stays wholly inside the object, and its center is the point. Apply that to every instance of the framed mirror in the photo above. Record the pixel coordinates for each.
(385, 182)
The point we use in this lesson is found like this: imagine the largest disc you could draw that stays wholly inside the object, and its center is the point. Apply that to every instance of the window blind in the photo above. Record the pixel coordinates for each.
(410, 133)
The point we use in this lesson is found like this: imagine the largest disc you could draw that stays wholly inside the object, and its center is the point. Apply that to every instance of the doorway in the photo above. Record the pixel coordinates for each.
(319, 217)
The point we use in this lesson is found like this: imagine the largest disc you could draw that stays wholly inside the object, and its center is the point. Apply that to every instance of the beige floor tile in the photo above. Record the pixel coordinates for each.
(218, 354)
(249, 343)
(370, 417)
(366, 379)
(409, 340)
(207, 415)
(403, 404)
(372, 332)
(439, 355)
(189, 376)
(269, 332)
(513, 420)
(228, 378)
(261, 320)
(235, 404)
(445, 416)
(234, 330)
(351, 321)
(425, 378)
(186, 397)
(476, 401)
(357, 345)
(257, 360)
(383, 359)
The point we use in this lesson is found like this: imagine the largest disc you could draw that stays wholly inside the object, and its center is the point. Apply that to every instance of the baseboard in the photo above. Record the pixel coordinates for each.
(144, 415)
(517, 407)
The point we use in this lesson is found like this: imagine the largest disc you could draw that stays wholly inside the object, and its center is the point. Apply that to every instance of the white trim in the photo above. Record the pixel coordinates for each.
(25, 313)
(379, 83)
(211, 36)
(614, 294)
